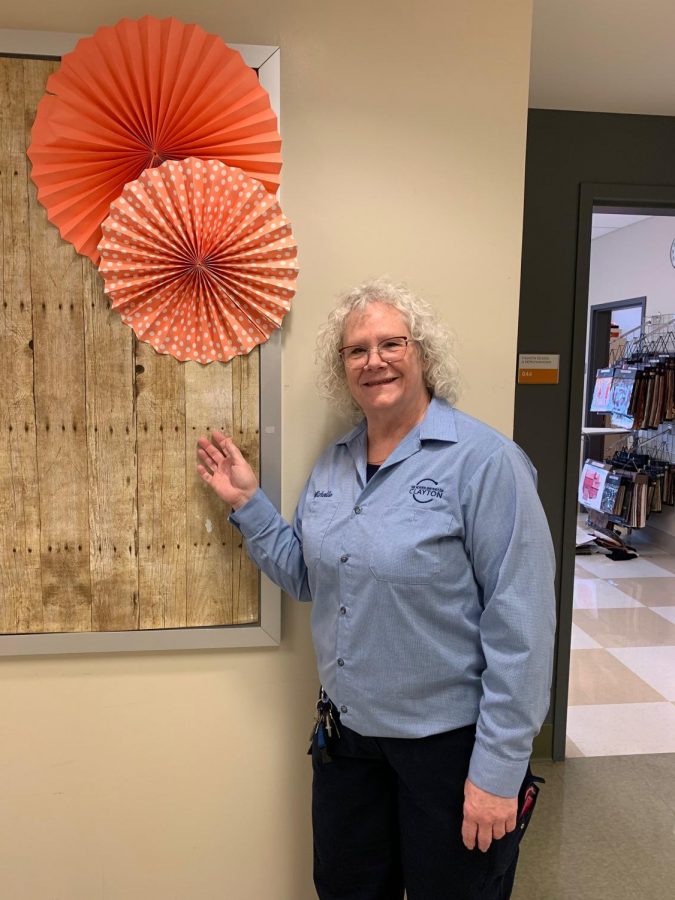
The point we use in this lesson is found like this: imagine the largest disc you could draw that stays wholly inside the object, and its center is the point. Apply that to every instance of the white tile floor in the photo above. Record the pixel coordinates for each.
(582, 641)
(668, 612)
(624, 612)
(657, 667)
(593, 593)
(622, 728)
(602, 566)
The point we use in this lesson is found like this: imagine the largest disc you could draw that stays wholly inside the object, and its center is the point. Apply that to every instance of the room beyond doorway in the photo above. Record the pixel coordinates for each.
(622, 660)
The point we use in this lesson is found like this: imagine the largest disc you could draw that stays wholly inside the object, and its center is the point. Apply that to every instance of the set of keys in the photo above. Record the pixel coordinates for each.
(324, 726)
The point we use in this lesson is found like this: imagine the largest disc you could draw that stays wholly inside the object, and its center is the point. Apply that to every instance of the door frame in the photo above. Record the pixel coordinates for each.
(601, 198)
(593, 444)
(640, 302)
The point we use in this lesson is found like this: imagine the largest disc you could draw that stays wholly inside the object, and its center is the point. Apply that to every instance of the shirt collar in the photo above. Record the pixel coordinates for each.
(438, 424)
(353, 434)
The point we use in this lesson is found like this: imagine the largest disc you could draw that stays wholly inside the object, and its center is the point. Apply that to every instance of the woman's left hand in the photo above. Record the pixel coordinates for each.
(487, 817)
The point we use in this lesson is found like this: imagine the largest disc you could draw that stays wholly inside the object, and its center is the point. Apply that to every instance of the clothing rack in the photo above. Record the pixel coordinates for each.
(657, 338)
(638, 386)
(639, 478)
(665, 436)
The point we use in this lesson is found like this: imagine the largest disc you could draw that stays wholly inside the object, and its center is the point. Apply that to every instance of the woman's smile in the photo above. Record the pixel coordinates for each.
(378, 382)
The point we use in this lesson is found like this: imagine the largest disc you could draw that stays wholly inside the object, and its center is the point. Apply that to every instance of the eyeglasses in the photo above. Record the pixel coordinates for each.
(389, 350)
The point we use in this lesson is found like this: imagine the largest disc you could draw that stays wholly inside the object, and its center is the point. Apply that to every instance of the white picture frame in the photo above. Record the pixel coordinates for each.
(266, 633)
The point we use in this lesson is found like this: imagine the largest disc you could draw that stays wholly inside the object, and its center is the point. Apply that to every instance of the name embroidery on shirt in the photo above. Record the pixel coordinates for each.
(323, 493)
(426, 490)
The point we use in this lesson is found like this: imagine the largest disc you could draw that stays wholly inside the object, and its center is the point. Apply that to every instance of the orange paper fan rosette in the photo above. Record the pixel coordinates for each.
(199, 260)
(133, 96)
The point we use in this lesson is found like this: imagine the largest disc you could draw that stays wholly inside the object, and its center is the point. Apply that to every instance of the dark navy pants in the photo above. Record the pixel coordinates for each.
(387, 817)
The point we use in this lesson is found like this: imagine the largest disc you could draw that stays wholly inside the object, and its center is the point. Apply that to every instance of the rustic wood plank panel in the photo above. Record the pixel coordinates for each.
(208, 405)
(160, 410)
(104, 524)
(111, 446)
(58, 328)
(20, 585)
(246, 432)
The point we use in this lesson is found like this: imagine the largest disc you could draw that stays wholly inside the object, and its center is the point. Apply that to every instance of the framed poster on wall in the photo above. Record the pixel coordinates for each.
(108, 539)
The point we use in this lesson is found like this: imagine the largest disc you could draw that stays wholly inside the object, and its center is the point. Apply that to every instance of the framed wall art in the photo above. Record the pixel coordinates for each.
(108, 539)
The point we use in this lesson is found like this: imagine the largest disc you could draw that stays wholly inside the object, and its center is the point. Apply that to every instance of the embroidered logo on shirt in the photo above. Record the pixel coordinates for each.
(426, 490)
(323, 493)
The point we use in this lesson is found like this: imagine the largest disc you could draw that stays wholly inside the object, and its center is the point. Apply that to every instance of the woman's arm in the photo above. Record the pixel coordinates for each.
(508, 540)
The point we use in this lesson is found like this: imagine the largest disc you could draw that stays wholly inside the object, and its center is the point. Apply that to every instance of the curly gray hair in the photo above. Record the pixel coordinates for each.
(434, 342)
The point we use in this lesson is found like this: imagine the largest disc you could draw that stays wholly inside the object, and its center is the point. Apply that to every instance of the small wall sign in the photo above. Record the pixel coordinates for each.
(538, 368)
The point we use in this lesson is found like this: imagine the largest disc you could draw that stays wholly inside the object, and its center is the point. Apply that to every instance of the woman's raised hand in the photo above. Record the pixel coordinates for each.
(222, 466)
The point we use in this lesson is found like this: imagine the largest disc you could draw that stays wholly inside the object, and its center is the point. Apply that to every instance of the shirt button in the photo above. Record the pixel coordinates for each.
(343, 610)
(344, 558)
(343, 709)
(357, 510)
(341, 661)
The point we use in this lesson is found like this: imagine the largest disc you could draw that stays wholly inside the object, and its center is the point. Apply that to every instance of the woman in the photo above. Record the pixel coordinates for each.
(421, 542)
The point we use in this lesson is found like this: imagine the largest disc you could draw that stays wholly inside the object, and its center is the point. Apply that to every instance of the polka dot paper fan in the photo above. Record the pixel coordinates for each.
(199, 260)
(132, 96)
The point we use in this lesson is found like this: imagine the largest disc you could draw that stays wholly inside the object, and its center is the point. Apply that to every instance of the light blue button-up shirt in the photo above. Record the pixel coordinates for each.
(432, 587)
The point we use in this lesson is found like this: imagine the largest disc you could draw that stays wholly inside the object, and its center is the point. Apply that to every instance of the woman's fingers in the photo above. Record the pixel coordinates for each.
(206, 461)
(228, 447)
(218, 436)
(207, 445)
(222, 444)
(204, 473)
(209, 453)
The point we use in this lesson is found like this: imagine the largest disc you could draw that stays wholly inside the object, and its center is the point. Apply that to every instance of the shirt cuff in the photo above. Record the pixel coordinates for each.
(496, 775)
(251, 518)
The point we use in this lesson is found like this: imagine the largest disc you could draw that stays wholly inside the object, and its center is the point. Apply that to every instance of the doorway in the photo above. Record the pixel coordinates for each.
(575, 162)
(622, 654)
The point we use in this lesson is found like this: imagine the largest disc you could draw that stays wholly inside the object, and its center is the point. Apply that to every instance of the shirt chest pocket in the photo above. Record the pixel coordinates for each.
(316, 517)
(408, 545)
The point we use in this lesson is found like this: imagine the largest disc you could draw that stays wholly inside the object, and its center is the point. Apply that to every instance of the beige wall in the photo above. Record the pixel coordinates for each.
(183, 776)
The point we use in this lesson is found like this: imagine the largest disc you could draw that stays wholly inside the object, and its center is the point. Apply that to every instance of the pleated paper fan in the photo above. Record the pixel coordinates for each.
(132, 96)
(199, 260)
